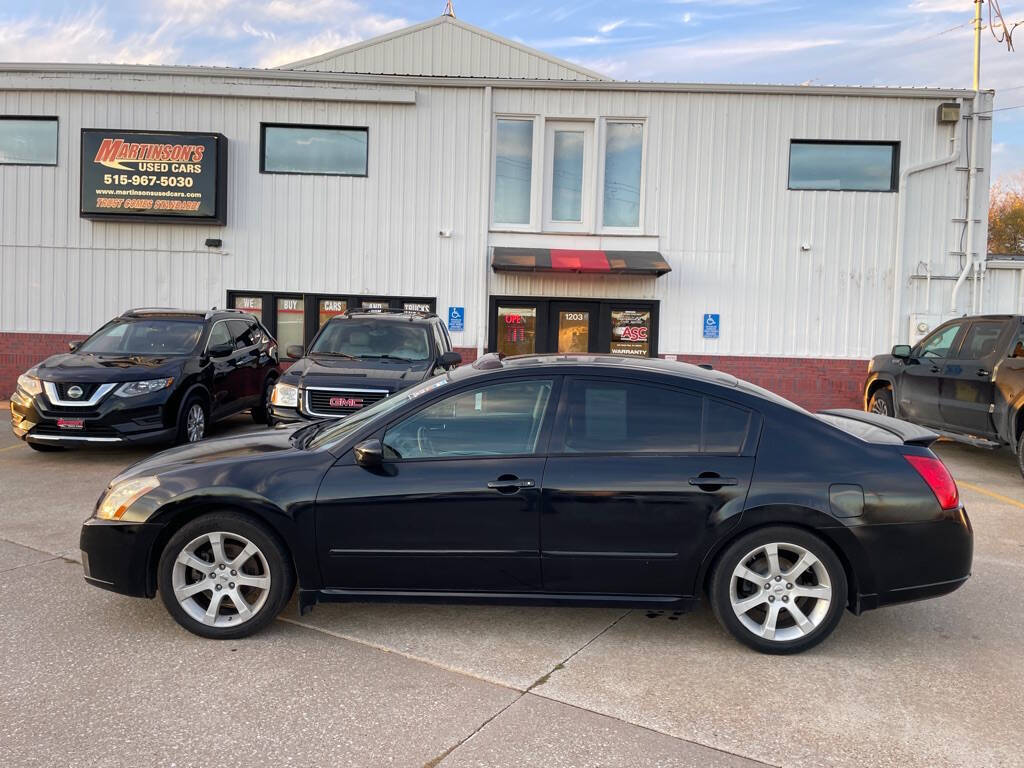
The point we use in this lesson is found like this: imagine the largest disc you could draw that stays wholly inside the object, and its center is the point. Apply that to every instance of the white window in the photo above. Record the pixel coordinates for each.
(513, 171)
(622, 177)
(568, 176)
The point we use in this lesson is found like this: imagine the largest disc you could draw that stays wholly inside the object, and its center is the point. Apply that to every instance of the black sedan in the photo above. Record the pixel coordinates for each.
(581, 480)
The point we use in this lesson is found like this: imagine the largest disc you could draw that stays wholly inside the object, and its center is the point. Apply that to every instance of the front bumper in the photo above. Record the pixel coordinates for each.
(117, 556)
(112, 421)
(282, 415)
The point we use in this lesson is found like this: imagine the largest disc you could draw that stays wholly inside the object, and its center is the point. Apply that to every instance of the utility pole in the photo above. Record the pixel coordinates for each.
(972, 262)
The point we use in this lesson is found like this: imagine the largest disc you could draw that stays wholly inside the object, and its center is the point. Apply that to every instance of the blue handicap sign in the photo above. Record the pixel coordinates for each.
(711, 326)
(456, 318)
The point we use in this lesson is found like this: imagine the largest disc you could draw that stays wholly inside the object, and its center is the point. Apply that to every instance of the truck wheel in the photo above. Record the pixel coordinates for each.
(881, 403)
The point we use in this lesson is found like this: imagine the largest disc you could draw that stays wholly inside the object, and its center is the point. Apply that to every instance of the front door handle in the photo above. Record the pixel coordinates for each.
(983, 372)
(712, 481)
(510, 484)
(935, 369)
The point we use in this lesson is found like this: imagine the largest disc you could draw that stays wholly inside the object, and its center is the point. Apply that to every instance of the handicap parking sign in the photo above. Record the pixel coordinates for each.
(711, 326)
(456, 318)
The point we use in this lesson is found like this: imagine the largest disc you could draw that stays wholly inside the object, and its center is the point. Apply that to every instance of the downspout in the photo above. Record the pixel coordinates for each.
(972, 174)
(901, 217)
(485, 225)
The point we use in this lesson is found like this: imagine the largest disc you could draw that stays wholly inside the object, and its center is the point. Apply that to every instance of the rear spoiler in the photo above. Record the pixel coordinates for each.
(910, 434)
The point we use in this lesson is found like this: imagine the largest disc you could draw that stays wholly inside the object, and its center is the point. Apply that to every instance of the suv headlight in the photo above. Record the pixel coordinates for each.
(136, 388)
(30, 385)
(285, 395)
(121, 496)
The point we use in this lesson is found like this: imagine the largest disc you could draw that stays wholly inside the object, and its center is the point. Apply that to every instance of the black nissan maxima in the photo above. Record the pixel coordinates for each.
(576, 480)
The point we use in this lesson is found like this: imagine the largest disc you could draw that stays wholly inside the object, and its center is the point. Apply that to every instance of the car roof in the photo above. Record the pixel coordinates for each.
(186, 314)
(389, 316)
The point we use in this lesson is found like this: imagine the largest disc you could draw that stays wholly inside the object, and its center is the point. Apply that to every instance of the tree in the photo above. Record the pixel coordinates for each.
(1006, 215)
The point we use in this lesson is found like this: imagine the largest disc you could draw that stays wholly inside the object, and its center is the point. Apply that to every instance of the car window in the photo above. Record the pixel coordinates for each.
(1017, 348)
(981, 340)
(219, 336)
(144, 337)
(725, 427)
(442, 347)
(496, 420)
(373, 339)
(241, 333)
(626, 417)
(938, 344)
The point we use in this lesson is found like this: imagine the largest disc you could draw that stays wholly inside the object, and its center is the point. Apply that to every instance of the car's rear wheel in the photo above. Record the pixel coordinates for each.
(224, 576)
(192, 422)
(1020, 453)
(779, 590)
(881, 402)
(261, 413)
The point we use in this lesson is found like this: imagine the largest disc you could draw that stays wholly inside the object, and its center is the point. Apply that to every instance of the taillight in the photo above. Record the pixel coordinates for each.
(934, 472)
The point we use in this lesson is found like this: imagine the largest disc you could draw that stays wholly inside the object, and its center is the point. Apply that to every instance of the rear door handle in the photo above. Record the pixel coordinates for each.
(510, 484)
(714, 481)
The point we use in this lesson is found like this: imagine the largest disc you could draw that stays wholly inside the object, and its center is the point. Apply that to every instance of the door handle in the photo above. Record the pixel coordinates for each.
(712, 481)
(510, 484)
(935, 369)
(983, 372)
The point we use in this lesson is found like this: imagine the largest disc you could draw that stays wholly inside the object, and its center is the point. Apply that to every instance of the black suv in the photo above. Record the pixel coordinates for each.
(150, 375)
(358, 358)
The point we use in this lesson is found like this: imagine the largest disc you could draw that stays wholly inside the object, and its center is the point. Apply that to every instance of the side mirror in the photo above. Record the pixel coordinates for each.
(369, 454)
(73, 345)
(902, 351)
(295, 351)
(450, 360)
(221, 350)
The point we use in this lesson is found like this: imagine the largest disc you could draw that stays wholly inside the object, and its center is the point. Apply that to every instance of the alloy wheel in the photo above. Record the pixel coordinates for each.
(195, 423)
(221, 579)
(879, 406)
(780, 591)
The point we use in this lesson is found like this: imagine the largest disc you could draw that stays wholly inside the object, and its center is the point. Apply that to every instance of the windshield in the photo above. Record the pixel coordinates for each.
(373, 339)
(352, 423)
(144, 337)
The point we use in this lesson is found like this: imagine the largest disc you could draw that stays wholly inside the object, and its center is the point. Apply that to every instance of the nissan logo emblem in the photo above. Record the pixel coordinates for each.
(74, 392)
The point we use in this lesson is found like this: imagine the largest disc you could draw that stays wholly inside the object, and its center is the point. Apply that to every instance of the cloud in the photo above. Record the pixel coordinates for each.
(611, 26)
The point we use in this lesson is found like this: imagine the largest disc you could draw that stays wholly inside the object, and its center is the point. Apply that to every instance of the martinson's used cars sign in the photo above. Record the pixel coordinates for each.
(154, 176)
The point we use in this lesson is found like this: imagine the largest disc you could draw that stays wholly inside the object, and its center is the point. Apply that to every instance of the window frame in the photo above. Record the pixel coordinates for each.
(536, 172)
(894, 174)
(548, 419)
(556, 446)
(263, 148)
(599, 186)
(39, 118)
(588, 191)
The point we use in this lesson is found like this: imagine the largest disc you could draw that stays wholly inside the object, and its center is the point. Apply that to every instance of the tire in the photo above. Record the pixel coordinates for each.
(186, 429)
(743, 604)
(46, 448)
(1020, 453)
(189, 559)
(881, 402)
(261, 414)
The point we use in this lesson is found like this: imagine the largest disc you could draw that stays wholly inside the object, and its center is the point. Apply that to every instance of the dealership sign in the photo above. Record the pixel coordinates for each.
(154, 176)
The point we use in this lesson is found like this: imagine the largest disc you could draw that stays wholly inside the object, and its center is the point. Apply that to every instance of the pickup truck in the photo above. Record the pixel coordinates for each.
(964, 380)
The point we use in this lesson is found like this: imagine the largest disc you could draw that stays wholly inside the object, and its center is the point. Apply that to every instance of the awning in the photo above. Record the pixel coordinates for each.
(565, 260)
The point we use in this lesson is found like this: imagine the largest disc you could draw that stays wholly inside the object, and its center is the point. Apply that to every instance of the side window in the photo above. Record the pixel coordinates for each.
(982, 339)
(442, 340)
(624, 417)
(938, 344)
(240, 334)
(219, 335)
(497, 420)
(725, 427)
(1017, 348)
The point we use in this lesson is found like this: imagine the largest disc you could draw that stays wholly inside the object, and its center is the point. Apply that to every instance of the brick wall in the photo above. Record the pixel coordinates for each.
(811, 382)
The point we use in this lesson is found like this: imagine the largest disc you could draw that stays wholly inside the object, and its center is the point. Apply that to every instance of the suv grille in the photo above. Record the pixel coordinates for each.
(340, 402)
(87, 390)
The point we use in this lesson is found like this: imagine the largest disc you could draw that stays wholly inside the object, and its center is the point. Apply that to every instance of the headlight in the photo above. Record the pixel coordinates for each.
(136, 388)
(30, 385)
(285, 395)
(121, 496)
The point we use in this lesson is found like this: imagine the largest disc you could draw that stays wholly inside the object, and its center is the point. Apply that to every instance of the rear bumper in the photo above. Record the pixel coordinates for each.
(116, 555)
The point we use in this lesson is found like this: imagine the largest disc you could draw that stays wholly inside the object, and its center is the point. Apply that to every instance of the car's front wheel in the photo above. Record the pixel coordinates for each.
(881, 402)
(779, 590)
(192, 422)
(224, 576)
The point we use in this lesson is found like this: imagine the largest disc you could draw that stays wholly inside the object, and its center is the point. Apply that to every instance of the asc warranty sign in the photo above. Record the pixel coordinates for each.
(154, 176)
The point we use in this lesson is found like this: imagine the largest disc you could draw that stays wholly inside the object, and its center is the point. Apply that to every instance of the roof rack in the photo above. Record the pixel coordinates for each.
(161, 311)
(388, 311)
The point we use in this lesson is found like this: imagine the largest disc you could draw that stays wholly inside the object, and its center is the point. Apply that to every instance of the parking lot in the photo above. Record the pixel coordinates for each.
(91, 678)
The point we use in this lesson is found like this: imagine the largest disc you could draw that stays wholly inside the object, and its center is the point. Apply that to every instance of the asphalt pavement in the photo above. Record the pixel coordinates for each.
(90, 678)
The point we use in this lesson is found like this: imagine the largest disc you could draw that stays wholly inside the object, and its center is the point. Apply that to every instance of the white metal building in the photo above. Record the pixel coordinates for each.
(785, 233)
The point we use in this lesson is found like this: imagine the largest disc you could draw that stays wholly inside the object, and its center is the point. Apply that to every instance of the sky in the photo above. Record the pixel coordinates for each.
(846, 42)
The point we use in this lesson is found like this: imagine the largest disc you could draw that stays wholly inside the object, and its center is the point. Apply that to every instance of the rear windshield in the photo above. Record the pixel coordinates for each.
(373, 339)
(144, 337)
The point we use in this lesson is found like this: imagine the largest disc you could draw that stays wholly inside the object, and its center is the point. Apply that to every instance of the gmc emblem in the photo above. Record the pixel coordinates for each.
(346, 402)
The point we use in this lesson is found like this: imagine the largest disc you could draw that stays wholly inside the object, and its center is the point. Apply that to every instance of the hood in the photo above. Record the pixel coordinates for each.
(327, 371)
(213, 450)
(78, 367)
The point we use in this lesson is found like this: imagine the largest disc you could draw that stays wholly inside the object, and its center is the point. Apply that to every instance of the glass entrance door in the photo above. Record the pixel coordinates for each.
(574, 327)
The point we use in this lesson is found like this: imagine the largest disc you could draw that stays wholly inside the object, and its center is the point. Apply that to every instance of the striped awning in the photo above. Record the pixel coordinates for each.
(566, 260)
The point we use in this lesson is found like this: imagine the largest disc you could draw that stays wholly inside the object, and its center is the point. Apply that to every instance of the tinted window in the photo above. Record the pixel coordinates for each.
(299, 149)
(842, 166)
(219, 336)
(28, 142)
(144, 337)
(620, 417)
(241, 333)
(497, 420)
(373, 339)
(1017, 350)
(725, 427)
(982, 340)
(938, 344)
